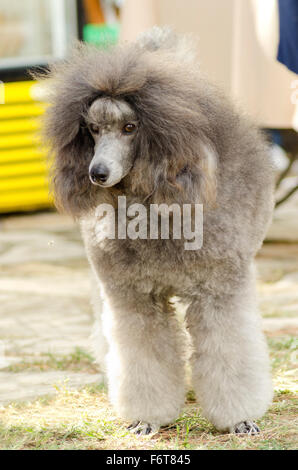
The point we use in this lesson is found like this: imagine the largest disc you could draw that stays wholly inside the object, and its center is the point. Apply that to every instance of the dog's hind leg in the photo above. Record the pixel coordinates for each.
(230, 365)
(145, 364)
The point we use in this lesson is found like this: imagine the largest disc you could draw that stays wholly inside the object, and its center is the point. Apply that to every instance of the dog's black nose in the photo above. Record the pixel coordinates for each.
(99, 174)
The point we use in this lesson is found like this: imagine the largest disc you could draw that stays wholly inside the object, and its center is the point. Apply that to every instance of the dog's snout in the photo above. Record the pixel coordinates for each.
(99, 174)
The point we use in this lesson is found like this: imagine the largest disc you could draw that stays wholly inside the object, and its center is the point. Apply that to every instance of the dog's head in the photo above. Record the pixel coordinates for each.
(136, 115)
(113, 125)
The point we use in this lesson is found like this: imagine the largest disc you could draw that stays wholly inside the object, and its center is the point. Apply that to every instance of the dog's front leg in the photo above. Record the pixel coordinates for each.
(145, 366)
(230, 365)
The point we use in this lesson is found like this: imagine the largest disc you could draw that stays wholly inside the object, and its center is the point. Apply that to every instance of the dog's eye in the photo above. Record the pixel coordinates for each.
(129, 128)
(94, 128)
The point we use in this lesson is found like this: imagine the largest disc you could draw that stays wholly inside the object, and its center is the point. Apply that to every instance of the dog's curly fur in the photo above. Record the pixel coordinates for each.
(191, 146)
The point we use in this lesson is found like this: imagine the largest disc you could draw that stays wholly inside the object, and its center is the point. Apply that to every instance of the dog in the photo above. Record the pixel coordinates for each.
(140, 120)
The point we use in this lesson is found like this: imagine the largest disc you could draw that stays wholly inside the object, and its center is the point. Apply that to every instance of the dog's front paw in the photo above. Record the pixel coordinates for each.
(142, 428)
(245, 427)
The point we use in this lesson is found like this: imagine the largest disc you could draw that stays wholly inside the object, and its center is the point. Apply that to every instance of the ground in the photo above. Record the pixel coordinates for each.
(51, 392)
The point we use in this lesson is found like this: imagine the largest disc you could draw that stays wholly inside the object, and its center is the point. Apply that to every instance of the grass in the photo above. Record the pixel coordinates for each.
(83, 419)
(77, 361)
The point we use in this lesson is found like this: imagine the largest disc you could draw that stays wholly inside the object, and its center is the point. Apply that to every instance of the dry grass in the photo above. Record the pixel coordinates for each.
(84, 420)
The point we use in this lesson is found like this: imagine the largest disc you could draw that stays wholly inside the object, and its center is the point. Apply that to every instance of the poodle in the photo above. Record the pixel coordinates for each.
(140, 120)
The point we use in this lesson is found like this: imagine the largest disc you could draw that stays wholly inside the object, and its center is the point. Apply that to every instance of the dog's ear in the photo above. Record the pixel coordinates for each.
(70, 182)
(205, 168)
(69, 142)
(176, 148)
(184, 179)
(190, 180)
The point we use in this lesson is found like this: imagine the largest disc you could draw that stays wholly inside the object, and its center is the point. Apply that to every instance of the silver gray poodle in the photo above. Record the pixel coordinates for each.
(139, 120)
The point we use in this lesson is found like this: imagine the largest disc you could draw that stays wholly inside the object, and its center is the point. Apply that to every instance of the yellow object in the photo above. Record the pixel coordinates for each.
(18, 125)
(23, 168)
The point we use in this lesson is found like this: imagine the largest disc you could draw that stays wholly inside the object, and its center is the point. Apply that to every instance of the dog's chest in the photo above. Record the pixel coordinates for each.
(144, 261)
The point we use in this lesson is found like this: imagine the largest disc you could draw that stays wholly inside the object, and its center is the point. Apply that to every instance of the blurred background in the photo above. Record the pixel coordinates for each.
(238, 46)
(249, 48)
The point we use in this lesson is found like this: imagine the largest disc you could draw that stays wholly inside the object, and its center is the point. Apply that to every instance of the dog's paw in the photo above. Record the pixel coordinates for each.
(142, 428)
(245, 427)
